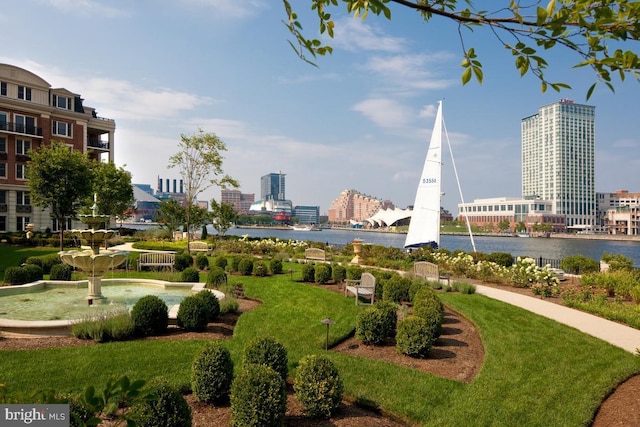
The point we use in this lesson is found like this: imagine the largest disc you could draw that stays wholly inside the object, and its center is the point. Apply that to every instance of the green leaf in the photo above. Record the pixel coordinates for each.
(466, 76)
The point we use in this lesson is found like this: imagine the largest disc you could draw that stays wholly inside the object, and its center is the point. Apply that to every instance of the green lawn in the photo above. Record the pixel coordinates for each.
(11, 255)
(536, 372)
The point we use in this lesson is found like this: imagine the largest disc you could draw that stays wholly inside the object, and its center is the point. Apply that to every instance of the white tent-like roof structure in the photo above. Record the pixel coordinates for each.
(387, 217)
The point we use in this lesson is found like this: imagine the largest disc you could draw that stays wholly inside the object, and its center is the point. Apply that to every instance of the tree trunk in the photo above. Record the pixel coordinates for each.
(61, 224)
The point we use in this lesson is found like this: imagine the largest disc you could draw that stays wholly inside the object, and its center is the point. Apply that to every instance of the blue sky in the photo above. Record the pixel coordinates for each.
(361, 120)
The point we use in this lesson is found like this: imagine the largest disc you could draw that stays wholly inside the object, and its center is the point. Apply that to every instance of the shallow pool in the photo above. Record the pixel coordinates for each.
(69, 302)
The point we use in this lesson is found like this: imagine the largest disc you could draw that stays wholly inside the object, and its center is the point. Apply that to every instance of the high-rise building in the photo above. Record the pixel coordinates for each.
(241, 201)
(558, 160)
(272, 187)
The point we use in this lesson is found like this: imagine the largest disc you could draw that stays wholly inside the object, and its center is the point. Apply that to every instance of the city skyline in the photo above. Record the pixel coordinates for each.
(360, 120)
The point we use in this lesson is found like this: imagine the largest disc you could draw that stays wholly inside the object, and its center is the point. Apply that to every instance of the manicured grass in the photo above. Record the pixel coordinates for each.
(536, 372)
(14, 256)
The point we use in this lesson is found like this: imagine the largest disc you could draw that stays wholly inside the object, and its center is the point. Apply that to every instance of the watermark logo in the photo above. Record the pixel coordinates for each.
(55, 415)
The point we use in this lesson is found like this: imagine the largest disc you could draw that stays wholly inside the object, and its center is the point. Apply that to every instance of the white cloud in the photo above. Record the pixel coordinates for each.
(352, 34)
(414, 71)
(85, 7)
(231, 8)
(386, 113)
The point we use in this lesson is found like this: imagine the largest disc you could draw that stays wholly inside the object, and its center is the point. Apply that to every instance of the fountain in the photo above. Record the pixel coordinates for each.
(95, 260)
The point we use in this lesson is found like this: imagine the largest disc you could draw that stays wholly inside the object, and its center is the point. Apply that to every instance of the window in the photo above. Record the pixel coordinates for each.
(23, 198)
(22, 222)
(3, 196)
(3, 223)
(24, 93)
(3, 170)
(23, 146)
(3, 144)
(61, 128)
(3, 120)
(21, 171)
(25, 124)
(62, 102)
(3, 88)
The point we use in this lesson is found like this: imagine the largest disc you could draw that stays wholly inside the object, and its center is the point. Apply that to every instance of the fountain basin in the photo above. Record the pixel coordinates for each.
(86, 260)
(68, 296)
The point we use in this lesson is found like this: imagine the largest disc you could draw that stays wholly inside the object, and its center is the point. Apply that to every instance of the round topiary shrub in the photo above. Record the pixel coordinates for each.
(267, 351)
(150, 316)
(221, 261)
(428, 306)
(258, 397)
(212, 373)
(190, 274)
(211, 302)
(354, 272)
(322, 273)
(168, 409)
(48, 261)
(245, 266)
(260, 268)
(202, 261)
(414, 337)
(276, 266)
(33, 272)
(318, 386)
(232, 265)
(370, 328)
(60, 272)
(388, 313)
(396, 289)
(193, 314)
(308, 273)
(182, 260)
(416, 285)
(216, 277)
(338, 273)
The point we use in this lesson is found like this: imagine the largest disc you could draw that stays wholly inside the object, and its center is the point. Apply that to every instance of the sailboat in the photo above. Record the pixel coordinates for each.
(424, 227)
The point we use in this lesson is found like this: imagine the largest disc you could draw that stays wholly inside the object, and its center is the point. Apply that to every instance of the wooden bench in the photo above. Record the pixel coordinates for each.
(315, 254)
(157, 259)
(430, 271)
(365, 287)
(199, 246)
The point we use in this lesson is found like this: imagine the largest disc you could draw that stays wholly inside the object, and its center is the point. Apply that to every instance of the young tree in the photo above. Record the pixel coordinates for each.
(199, 217)
(224, 215)
(503, 225)
(170, 215)
(114, 189)
(594, 31)
(200, 164)
(59, 179)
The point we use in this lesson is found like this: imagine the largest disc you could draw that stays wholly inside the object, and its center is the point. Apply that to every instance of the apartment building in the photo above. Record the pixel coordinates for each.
(33, 113)
(354, 206)
(558, 160)
(241, 201)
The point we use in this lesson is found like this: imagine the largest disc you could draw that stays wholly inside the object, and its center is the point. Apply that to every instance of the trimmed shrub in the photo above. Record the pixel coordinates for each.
(48, 261)
(396, 289)
(354, 272)
(232, 266)
(260, 268)
(216, 277)
(33, 272)
(318, 386)
(103, 327)
(202, 261)
(221, 261)
(501, 258)
(15, 275)
(183, 260)
(168, 409)
(212, 373)
(211, 302)
(245, 266)
(338, 273)
(35, 260)
(267, 351)
(258, 398)
(388, 312)
(579, 264)
(193, 314)
(370, 328)
(428, 306)
(190, 274)
(60, 272)
(150, 316)
(414, 337)
(322, 273)
(415, 286)
(276, 266)
(308, 273)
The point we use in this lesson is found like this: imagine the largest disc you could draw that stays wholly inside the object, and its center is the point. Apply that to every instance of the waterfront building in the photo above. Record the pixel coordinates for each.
(488, 213)
(33, 113)
(619, 212)
(558, 160)
(240, 201)
(353, 206)
(272, 187)
(146, 204)
(307, 214)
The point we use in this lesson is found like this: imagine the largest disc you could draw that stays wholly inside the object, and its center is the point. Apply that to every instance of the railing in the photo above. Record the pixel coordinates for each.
(20, 128)
(3, 207)
(97, 143)
(23, 208)
(553, 263)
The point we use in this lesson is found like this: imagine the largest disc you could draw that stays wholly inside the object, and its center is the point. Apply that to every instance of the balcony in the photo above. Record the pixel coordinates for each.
(3, 207)
(20, 128)
(98, 143)
(23, 208)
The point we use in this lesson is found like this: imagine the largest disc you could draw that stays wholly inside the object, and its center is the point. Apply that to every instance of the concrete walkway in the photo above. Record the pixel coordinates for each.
(619, 335)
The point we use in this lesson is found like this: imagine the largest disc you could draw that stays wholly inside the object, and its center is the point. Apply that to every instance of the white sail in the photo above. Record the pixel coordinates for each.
(424, 228)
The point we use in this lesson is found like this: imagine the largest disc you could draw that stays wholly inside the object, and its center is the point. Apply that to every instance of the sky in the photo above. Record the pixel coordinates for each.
(359, 120)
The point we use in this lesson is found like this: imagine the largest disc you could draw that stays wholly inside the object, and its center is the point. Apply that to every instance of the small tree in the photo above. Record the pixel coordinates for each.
(170, 215)
(59, 179)
(114, 189)
(223, 215)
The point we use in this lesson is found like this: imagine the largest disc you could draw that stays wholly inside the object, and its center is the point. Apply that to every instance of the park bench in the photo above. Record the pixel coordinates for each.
(199, 246)
(430, 271)
(364, 287)
(315, 254)
(157, 260)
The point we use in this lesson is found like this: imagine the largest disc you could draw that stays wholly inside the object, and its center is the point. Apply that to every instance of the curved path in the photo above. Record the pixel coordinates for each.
(614, 333)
